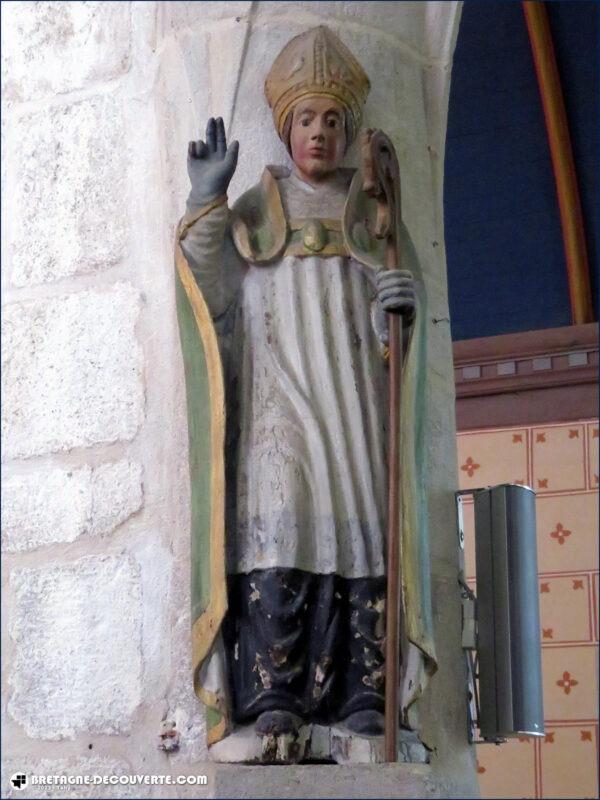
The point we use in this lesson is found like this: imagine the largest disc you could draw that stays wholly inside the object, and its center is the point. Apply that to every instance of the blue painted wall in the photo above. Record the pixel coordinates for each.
(506, 266)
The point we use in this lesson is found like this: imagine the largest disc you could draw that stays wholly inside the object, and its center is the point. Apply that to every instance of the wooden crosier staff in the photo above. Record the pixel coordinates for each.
(382, 182)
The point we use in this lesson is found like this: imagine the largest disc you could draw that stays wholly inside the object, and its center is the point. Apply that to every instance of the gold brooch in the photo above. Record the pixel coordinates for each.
(314, 236)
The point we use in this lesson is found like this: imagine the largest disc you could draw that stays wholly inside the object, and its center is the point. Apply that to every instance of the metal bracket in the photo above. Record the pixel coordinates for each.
(469, 623)
(469, 634)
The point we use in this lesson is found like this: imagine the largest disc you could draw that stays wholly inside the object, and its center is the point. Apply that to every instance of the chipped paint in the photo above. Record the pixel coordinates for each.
(375, 679)
(278, 656)
(255, 594)
(263, 673)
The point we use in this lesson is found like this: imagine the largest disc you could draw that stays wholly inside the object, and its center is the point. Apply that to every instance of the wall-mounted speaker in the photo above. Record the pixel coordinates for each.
(508, 619)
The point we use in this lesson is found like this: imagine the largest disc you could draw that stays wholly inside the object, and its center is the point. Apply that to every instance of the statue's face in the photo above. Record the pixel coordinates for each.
(317, 137)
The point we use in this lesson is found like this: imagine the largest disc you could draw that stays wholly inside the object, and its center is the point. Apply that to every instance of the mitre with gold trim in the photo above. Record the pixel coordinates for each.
(317, 63)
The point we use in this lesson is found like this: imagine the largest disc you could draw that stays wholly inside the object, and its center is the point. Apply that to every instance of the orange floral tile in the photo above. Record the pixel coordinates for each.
(490, 457)
(565, 609)
(567, 682)
(568, 762)
(567, 532)
(564, 458)
(593, 440)
(570, 683)
(558, 458)
(507, 770)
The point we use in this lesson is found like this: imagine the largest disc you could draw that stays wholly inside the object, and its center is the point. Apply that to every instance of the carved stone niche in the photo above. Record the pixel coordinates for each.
(280, 227)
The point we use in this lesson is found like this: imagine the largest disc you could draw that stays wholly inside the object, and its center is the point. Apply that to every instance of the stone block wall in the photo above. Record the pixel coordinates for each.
(99, 102)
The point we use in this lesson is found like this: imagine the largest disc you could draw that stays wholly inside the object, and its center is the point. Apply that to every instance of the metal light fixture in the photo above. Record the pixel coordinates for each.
(501, 623)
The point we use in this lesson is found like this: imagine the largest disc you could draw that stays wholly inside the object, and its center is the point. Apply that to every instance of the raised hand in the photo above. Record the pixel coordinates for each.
(211, 164)
(396, 292)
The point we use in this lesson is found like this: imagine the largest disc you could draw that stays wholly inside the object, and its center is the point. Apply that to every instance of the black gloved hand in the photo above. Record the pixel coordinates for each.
(211, 165)
(396, 292)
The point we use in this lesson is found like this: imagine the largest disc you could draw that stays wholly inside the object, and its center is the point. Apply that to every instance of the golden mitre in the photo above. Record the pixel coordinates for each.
(317, 63)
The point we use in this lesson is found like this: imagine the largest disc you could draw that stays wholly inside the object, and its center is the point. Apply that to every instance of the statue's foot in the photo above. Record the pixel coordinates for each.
(365, 723)
(276, 723)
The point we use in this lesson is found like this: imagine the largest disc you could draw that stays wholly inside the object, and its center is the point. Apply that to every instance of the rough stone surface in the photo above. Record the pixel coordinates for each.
(182, 701)
(40, 508)
(70, 199)
(77, 635)
(185, 94)
(158, 591)
(399, 21)
(49, 48)
(71, 372)
(183, 14)
(95, 766)
(116, 494)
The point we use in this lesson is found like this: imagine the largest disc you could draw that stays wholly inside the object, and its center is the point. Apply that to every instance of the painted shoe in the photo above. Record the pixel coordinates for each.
(276, 723)
(365, 723)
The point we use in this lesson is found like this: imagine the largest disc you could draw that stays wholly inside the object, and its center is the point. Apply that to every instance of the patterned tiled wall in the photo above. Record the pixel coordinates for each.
(561, 463)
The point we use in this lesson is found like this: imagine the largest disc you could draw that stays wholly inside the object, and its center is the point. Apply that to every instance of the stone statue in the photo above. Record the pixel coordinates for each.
(282, 305)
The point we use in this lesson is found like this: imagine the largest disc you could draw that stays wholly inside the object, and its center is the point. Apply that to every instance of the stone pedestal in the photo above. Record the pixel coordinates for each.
(358, 780)
(315, 743)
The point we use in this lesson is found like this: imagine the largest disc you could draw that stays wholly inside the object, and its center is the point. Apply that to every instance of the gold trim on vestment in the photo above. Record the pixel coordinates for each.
(189, 219)
(315, 237)
(259, 207)
(337, 248)
(207, 626)
(217, 732)
(297, 224)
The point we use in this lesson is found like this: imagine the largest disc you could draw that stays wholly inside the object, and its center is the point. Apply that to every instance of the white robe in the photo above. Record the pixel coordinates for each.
(311, 470)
